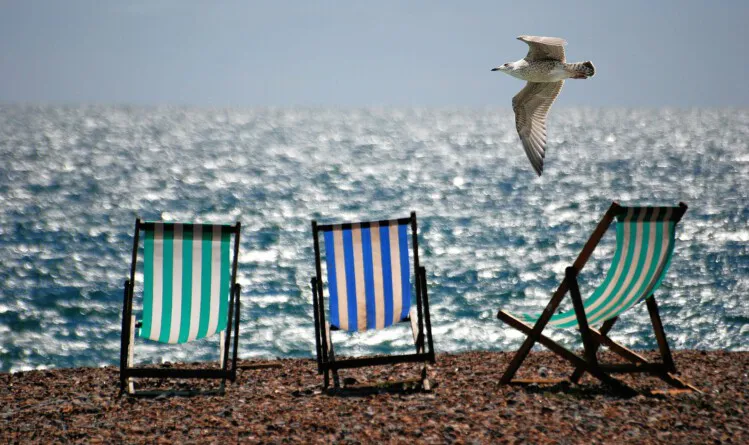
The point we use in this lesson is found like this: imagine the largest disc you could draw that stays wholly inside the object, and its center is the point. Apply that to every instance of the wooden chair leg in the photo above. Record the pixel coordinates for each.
(636, 358)
(131, 355)
(336, 379)
(222, 360)
(418, 339)
(582, 320)
(660, 334)
(419, 344)
(125, 340)
(571, 357)
(615, 347)
(331, 357)
(426, 385)
(534, 334)
(605, 328)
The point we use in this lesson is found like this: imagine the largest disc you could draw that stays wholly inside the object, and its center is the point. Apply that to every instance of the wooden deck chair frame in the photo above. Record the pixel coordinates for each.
(421, 327)
(224, 372)
(594, 338)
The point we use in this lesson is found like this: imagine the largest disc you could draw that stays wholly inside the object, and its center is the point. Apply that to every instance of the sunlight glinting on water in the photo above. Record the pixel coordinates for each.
(491, 234)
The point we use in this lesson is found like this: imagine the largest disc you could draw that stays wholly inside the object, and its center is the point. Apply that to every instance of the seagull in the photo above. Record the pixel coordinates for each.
(545, 70)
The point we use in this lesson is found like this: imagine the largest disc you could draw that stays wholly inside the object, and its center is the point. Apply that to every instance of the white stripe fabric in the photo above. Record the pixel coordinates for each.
(197, 283)
(158, 279)
(176, 283)
(379, 290)
(361, 302)
(341, 281)
(215, 280)
(397, 273)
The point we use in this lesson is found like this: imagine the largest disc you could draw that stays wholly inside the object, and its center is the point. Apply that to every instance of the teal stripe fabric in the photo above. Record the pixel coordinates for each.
(147, 282)
(187, 274)
(186, 307)
(644, 246)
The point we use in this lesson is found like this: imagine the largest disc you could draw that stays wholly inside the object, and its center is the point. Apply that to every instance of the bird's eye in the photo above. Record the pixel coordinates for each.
(506, 65)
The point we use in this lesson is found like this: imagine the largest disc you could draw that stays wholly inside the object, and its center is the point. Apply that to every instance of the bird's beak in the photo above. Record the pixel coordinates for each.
(496, 69)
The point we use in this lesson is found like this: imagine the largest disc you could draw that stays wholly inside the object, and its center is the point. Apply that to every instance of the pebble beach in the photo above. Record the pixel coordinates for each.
(287, 404)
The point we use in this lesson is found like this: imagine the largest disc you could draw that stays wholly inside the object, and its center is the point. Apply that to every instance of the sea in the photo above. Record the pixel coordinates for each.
(492, 235)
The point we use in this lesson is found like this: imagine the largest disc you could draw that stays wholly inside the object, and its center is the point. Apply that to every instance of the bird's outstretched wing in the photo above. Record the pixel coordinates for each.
(544, 48)
(531, 105)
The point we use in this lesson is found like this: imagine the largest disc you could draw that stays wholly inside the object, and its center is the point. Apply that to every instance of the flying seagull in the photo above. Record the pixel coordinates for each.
(545, 70)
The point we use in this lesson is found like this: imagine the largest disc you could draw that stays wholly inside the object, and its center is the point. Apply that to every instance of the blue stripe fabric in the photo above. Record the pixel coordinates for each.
(369, 287)
(387, 271)
(369, 275)
(405, 285)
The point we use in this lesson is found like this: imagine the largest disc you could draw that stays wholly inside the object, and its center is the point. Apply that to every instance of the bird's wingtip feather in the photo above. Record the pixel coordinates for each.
(539, 168)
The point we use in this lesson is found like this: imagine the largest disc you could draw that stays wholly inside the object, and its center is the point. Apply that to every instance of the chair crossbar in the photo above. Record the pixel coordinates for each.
(377, 361)
(178, 373)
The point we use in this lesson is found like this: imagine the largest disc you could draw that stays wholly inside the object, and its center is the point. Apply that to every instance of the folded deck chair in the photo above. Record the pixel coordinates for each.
(189, 293)
(369, 287)
(644, 246)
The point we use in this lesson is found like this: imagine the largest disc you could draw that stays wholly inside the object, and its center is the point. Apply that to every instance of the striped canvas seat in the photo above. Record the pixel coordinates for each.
(186, 274)
(644, 246)
(369, 270)
(368, 275)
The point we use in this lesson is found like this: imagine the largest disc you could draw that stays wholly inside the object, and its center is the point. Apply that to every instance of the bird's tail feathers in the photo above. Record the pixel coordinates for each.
(582, 70)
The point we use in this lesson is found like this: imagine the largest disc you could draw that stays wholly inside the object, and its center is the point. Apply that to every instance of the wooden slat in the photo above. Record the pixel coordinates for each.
(660, 335)
(568, 355)
(676, 381)
(630, 368)
(672, 391)
(595, 238)
(619, 349)
(605, 328)
(261, 366)
(590, 345)
(534, 333)
(375, 361)
(176, 373)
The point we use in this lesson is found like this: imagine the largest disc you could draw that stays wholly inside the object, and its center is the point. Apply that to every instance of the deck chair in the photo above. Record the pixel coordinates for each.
(644, 246)
(189, 293)
(369, 287)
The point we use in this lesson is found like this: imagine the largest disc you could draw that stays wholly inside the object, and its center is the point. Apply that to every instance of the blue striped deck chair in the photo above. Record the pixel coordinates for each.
(645, 238)
(369, 286)
(189, 293)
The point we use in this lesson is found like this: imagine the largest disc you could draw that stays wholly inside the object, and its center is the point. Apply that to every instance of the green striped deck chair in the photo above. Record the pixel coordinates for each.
(645, 238)
(189, 293)
(369, 287)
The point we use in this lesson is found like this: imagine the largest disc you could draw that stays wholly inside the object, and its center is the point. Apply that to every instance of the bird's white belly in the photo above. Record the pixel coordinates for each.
(542, 72)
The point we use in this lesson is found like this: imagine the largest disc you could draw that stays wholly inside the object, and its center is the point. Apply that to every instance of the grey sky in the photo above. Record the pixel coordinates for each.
(384, 53)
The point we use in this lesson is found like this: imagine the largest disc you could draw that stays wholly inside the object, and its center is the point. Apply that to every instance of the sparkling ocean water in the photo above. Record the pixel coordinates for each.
(492, 235)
